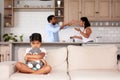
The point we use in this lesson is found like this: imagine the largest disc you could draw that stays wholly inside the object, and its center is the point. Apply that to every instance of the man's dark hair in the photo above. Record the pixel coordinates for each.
(50, 17)
(87, 23)
(36, 37)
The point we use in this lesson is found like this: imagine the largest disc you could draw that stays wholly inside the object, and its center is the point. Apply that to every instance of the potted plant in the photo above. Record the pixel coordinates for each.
(21, 38)
(10, 37)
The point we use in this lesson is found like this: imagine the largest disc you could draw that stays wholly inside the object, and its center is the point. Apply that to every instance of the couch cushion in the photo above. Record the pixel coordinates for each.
(21, 54)
(50, 76)
(95, 75)
(55, 58)
(92, 57)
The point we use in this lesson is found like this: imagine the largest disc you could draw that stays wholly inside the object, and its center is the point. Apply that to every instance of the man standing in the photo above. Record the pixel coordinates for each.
(53, 29)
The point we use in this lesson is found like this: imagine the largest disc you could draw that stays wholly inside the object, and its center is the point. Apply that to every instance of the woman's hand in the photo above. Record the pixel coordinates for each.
(77, 29)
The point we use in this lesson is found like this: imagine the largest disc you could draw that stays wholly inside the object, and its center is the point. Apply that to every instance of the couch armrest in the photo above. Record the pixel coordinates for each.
(118, 61)
(7, 69)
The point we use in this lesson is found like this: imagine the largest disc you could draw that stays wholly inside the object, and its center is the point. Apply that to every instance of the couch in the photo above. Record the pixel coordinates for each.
(70, 63)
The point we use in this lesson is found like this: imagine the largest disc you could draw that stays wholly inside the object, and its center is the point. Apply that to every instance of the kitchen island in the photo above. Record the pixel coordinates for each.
(14, 46)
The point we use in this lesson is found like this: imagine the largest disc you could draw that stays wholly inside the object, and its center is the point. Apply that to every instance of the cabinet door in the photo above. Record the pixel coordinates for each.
(104, 10)
(116, 9)
(66, 11)
(89, 9)
(73, 9)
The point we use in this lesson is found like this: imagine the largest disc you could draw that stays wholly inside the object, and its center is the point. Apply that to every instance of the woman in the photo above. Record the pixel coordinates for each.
(85, 34)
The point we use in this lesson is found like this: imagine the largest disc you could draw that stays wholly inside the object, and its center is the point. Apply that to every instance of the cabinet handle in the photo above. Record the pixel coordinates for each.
(80, 12)
(97, 12)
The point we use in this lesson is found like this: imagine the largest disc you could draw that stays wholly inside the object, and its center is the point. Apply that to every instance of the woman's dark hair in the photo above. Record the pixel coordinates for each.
(50, 17)
(87, 23)
(36, 37)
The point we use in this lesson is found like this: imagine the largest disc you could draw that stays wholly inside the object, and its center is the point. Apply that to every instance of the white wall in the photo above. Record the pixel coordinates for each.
(29, 22)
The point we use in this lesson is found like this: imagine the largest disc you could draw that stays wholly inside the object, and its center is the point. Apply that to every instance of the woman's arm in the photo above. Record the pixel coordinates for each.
(87, 34)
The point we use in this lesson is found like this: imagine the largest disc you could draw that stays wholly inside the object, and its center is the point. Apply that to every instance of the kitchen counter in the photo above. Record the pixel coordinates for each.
(61, 43)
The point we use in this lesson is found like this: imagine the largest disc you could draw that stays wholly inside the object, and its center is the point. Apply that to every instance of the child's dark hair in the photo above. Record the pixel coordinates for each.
(87, 23)
(36, 37)
(50, 17)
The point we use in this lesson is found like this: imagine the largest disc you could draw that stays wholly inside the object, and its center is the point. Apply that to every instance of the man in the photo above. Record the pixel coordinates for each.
(53, 29)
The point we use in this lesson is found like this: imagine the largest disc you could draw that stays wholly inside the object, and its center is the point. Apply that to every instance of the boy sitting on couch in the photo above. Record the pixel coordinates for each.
(33, 61)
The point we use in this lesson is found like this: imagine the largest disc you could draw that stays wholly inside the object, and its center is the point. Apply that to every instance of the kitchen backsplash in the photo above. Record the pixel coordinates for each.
(27, 23)
(106, 23)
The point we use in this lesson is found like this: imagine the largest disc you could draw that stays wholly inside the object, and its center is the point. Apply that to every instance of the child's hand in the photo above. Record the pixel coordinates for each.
(45, 63)
(42, 54)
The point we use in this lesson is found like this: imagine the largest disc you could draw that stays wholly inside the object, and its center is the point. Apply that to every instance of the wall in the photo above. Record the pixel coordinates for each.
(29, 22)
(2, 12)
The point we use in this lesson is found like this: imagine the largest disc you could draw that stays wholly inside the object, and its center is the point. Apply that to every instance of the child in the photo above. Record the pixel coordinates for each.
(35, 40)
(35, 64)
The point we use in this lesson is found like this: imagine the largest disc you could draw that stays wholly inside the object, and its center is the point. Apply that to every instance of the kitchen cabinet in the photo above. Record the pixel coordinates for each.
(115, 10)
(59, 10)
(73, 7)
(89, 9)
(8, 13)
(10, 6)
(66, 11)
(104, 10)
(95, 10)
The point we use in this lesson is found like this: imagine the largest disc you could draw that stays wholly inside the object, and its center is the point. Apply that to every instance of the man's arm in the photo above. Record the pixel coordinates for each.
(67, 24)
